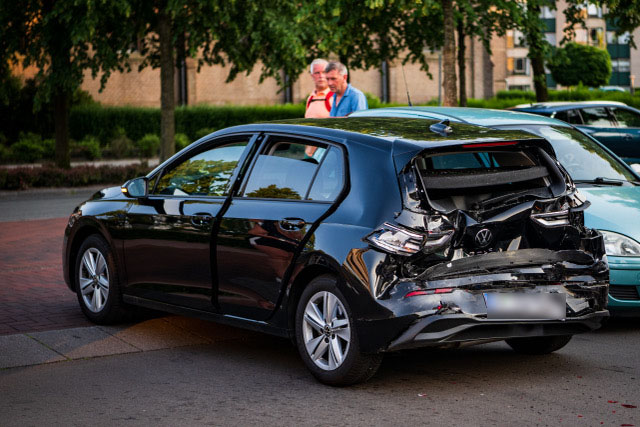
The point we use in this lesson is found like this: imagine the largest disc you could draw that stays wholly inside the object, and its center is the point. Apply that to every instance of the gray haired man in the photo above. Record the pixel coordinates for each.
(346, 98)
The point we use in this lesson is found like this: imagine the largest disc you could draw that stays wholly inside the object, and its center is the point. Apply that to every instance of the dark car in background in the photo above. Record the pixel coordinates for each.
(353, 237)
(614, 124)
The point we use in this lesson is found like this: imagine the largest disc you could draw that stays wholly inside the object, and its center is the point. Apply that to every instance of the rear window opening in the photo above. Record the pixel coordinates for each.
(484, 178)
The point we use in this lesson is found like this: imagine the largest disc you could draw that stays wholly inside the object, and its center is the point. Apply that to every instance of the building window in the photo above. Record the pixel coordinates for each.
(520, 66)
(518, 39)
(551, 38)
(620, 65)
(621, 39)
(596, 37)
(547, 13)
(519, 87)
(594, 11)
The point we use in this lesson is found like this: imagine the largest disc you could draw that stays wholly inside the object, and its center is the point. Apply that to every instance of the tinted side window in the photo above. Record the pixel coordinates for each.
(205, 174)
(596, 116)
(285, 170)
(626, 118)
(330, 178)
(569, 116)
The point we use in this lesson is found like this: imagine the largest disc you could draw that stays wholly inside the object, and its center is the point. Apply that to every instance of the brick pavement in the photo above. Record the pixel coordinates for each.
(33, 295)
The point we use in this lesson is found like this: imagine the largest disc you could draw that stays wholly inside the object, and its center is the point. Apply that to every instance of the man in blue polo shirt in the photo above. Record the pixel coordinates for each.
(346, 98)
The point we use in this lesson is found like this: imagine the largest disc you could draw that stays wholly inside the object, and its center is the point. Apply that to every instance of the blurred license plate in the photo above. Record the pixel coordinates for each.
(516, 305)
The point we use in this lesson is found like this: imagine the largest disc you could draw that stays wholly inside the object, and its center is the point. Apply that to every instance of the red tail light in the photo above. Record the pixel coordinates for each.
(430, 292)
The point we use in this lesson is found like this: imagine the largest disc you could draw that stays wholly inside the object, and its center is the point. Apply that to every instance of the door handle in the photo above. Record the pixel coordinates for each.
(291, 224)
(200, 220)
(627, 137)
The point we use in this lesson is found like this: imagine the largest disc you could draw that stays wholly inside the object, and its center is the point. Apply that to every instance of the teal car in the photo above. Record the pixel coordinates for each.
(612, 187)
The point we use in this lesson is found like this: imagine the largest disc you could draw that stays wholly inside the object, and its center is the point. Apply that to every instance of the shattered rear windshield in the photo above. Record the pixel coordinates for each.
(469, 179)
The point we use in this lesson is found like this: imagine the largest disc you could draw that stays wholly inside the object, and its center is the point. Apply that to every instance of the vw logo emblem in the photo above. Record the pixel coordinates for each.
(483, 237)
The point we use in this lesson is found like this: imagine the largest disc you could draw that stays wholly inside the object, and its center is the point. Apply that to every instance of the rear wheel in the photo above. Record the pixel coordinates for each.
(326, 336)
(97, 285)
(539, 345)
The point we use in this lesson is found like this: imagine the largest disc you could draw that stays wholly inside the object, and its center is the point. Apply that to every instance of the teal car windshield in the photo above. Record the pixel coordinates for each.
(581, 157)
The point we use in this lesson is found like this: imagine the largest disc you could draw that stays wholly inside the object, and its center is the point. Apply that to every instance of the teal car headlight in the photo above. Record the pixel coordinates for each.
(618, 245)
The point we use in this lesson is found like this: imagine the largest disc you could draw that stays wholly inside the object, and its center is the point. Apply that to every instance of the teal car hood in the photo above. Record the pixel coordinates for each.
(614, 208)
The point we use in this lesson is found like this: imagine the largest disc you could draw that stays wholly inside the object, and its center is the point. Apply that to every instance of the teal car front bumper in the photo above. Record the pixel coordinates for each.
(624, 289)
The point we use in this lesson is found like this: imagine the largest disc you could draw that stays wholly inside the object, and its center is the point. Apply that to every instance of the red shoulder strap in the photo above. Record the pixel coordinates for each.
(309, 100)
(327, 101)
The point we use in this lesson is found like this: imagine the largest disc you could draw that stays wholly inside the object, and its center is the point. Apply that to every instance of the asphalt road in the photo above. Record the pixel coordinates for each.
(254, 379)
(42, 203)
(245, 378)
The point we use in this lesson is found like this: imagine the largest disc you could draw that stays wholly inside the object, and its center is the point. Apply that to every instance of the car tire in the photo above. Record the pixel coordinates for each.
(328, 344)
(538, 345)
(97, 282)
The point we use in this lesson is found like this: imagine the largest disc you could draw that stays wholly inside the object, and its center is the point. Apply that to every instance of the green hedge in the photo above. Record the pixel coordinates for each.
(137, 122)
(51, 176)
(510, 98)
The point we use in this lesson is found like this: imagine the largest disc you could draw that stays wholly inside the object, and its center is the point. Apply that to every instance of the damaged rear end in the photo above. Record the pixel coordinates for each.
(490, 245)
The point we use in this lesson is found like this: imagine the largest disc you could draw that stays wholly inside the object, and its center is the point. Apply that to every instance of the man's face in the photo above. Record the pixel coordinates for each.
(337, 83)
(319, 76)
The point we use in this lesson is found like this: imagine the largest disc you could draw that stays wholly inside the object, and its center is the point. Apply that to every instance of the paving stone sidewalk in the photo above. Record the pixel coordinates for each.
(36, 348)
(33, 295)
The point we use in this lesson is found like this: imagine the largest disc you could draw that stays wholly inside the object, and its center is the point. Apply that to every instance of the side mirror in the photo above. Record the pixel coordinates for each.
(137, 187)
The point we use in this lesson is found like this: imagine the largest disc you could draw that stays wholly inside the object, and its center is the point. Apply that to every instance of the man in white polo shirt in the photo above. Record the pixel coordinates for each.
(321, 99)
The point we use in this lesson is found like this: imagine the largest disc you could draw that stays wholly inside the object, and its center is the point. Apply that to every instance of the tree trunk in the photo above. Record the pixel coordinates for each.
(487, 74)
(539, 76)
(535, 40)
(462, 69)
(167, 90)
(59, 50)
(61, 107)
(449, 56)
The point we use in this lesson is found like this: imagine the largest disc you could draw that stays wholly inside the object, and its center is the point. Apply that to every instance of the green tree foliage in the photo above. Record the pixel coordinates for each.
(238, 34)
(482, 19)
(62, 39)
(576, 64)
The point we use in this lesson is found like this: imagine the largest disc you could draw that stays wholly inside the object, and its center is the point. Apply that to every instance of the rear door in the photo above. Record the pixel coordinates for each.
(600, 124)
(292, 183)
(168, 245)
(628, 127)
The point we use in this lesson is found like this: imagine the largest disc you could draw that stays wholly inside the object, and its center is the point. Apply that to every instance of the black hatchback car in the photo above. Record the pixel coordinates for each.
(353, 237)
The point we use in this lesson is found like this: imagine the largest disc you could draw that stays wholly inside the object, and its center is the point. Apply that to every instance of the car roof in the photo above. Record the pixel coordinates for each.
(381, 131)
(566, 105)
(475, 116)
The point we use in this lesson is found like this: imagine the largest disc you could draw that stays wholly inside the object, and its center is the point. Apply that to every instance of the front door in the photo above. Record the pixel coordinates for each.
(291, 185)
(168, 254)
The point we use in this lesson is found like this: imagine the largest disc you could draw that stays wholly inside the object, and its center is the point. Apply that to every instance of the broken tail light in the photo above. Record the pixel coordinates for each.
(397, 240)
(402, 241)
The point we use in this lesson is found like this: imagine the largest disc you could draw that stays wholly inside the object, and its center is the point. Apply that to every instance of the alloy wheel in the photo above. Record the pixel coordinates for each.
(326, 330)
(94, 280)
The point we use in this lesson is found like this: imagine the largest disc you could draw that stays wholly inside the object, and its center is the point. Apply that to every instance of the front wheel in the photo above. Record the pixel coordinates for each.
(326, 336)
(538, 345)
(97, 282)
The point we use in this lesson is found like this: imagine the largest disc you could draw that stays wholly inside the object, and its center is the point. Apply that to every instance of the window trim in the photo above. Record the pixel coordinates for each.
(264, 143)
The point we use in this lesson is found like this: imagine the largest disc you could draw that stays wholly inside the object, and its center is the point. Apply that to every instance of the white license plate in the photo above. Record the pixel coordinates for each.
(518, 305)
